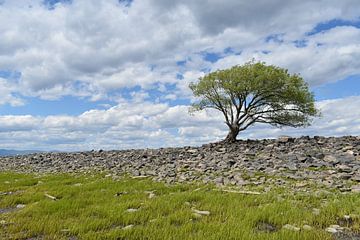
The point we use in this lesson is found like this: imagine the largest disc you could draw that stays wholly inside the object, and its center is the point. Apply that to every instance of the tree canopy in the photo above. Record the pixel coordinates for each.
(255, 93)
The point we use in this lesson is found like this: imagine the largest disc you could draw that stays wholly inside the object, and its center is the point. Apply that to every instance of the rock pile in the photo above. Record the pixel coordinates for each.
(331, 162)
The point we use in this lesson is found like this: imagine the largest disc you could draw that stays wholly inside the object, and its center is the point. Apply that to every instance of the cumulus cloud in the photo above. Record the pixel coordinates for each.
(11, 123)
(157, 125)
(97, 50)
(7, 96)
(327, 57)
(103, 45)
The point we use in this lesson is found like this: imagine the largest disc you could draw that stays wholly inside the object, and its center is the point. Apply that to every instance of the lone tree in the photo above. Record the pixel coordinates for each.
(255, 93)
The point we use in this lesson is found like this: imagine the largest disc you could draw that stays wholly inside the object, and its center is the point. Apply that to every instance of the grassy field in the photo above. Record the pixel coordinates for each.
(99, 207)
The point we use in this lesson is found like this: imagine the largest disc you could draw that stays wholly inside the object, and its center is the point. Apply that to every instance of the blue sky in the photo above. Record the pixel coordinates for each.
(77, 75)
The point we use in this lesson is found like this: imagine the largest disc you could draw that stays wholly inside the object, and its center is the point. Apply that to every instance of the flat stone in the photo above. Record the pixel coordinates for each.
(19, 206)
(330, 158)
(131, 210)
(221, 150)
(291, 227)
(192, 151)
(344, 168)
(128, 227)
(331, 230)
(292, 167)
(345, 176)
(197, 215)
(335, 226)
(265, 227)
(284, 139)
(307, 227)
(201, 212)
(356, 178)
(219, 180)
(355, 188)
(250, 154)
(301, 184)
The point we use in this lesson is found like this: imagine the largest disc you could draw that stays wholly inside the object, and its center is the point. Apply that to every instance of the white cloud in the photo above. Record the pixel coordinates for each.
(335, 59)
(11, 123)
(141, 125)
(7, 96)
(104, 46)
(93, 49)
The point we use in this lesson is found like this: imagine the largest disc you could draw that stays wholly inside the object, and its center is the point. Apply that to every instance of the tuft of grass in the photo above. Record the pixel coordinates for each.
(97, 207)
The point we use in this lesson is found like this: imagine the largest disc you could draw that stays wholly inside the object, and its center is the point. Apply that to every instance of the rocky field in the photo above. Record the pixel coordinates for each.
(333, 163)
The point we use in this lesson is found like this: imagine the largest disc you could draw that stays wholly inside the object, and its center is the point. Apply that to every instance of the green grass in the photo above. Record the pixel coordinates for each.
(95, 207)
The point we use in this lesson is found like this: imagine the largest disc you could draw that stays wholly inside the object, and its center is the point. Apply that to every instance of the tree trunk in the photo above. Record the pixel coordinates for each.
(231, 137)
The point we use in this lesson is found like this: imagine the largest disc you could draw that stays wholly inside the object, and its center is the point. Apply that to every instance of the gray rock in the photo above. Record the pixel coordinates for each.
(291, 228)
(344, 176)
(19, 206)
(344, 168)
(203, 213)
(331, 230)
(346, 235)
(265, 227)
(131, 210)
(307, 227)
(284, 139)
(292, 167)
(329, 161)
(356, 178)
(355, 188)
(219, 180)
(331, 158)
(128, 227)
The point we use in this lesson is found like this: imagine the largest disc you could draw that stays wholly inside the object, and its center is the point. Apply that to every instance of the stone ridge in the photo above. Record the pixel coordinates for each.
(332, 162)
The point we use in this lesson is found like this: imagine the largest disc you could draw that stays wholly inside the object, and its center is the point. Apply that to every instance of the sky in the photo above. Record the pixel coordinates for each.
(113, 74)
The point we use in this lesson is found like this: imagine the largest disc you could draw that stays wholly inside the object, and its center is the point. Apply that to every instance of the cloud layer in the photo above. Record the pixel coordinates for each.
(89, 48)
(135, 125)
(124, 51)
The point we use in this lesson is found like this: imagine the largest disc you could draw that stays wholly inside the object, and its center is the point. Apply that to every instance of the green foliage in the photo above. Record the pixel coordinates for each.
(94, 207)
(256, 93)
